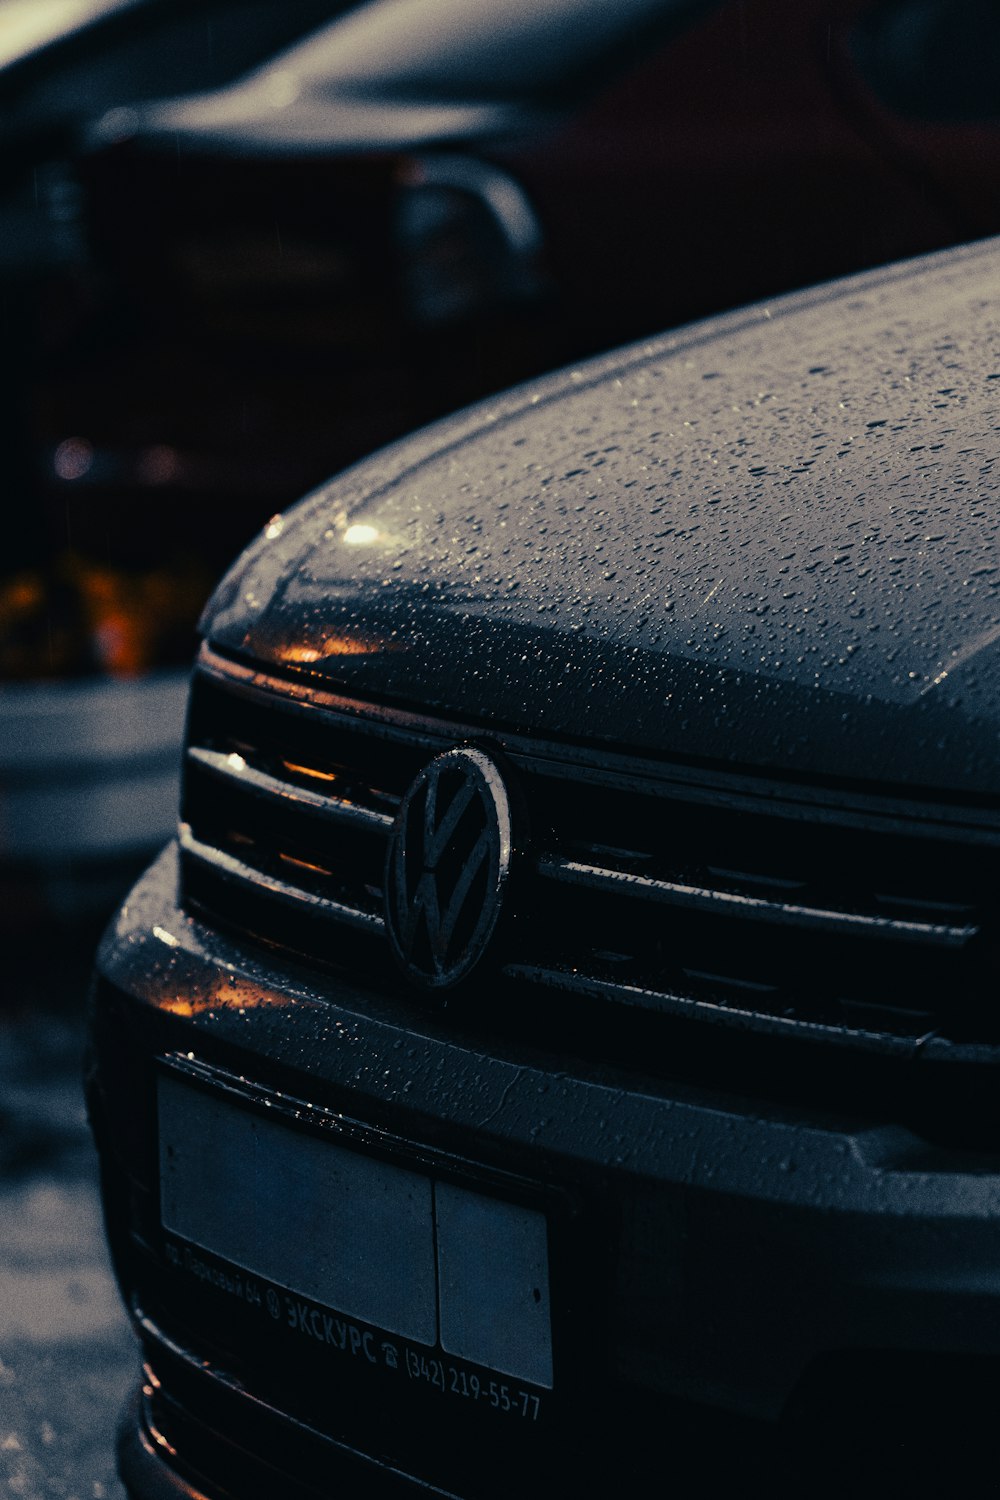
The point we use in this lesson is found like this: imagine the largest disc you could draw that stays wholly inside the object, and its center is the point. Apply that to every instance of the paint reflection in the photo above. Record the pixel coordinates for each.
(228, 992)
(299, 654)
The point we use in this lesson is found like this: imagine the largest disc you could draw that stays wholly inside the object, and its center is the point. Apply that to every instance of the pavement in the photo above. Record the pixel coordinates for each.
(67, 1355)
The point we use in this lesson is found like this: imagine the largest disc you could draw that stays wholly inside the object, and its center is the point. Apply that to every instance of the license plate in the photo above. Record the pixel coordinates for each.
(423, 1258)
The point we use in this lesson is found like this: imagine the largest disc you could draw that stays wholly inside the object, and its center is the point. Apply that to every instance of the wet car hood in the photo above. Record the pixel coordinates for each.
(766, 541)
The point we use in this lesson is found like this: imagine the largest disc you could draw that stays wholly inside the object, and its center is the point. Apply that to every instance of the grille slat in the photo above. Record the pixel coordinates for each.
(633, 890)
(286, 892)
(733, 904)
(742, 1017)
(234, 771)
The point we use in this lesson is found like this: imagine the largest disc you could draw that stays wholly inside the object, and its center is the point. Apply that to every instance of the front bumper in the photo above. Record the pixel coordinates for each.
(709, 1249)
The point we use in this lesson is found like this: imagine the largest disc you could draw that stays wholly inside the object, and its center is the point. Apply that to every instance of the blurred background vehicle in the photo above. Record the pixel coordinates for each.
(89, 705)
(244, 244)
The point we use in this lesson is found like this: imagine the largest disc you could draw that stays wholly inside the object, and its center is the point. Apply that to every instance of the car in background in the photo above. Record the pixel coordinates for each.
(245, 245)
(579, 945)
(96, 611)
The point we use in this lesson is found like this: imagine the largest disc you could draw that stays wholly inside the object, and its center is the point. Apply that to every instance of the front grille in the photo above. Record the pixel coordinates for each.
(852, 919)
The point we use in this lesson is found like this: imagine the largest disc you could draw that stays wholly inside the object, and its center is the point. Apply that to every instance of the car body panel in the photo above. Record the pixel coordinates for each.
(766, 540)
(839, 1220)
(405, 72)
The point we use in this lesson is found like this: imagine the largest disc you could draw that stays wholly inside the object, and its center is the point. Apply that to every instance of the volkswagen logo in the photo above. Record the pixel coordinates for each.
(447, 866)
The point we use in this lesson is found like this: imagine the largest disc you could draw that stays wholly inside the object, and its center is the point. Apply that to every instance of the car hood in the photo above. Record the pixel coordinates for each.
(766, 541)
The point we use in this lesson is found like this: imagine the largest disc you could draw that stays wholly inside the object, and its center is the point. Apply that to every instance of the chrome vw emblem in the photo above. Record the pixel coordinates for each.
(447, 867)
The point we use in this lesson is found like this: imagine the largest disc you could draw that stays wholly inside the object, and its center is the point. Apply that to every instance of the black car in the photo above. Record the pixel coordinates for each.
(569, 1005)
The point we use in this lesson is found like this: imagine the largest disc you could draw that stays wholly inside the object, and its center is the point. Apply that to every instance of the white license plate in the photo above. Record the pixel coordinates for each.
(422, 1258)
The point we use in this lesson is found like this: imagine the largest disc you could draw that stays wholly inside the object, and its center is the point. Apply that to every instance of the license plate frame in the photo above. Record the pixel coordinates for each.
(523, 1389)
